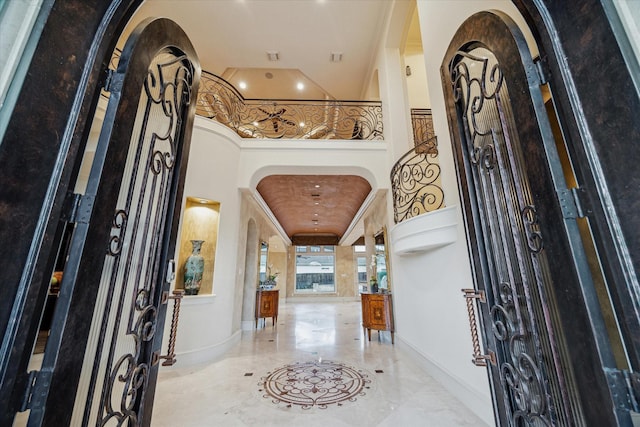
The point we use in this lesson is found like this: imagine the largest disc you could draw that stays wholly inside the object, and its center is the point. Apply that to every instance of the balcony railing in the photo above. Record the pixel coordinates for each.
(415, 182)
(289, 119)
(422, 124)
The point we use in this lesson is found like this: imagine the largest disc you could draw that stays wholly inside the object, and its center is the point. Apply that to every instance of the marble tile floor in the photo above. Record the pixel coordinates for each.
(222, 393)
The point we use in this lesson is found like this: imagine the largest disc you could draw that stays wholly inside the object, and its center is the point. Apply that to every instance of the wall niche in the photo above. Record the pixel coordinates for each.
(199, 222)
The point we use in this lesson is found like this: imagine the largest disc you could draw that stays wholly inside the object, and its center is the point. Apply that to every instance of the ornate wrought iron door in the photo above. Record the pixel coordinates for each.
(541, 328)
(101, 360)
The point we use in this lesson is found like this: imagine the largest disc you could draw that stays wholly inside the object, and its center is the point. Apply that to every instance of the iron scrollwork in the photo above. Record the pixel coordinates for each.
(287, 119)
(415, 182)
(507, 217)
(474, 92)
(119, 226)
(127, 322)
(520, 374)
(532, 228)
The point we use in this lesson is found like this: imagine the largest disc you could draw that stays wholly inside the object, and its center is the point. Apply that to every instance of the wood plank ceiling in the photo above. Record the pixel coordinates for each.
(314, 209)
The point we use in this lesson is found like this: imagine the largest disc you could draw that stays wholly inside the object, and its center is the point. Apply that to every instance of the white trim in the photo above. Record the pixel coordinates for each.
(478, 402)
(198, 299)
(425, 232)
(267, 211)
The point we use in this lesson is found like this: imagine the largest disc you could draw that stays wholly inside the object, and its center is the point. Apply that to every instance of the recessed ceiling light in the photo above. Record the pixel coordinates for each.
(317, 185)
(300, 85)
(256, 123)
(243, 85)
(316, 203)
(315, 214)
(301, 124)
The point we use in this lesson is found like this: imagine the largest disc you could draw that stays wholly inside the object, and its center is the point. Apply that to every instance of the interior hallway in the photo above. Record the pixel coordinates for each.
(223, 394)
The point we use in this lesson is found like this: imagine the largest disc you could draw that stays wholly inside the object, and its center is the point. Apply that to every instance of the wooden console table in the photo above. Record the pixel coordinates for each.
(267, 305)
(377, 313)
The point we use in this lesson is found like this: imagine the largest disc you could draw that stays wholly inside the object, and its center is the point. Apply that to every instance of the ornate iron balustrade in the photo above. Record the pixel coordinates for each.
(422, 124)
(294, 119)
(415, 182)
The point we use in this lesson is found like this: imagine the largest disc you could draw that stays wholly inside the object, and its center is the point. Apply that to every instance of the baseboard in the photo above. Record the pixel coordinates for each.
(478, 403)
(248, 325)
(207, 354)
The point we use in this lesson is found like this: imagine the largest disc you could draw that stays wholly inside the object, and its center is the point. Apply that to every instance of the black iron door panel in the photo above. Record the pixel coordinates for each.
(529, 265)
(101, 360)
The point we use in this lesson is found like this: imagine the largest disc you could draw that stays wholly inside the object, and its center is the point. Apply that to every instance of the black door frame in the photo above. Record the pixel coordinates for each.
(94, 236)
(598, 107)
(40, 156)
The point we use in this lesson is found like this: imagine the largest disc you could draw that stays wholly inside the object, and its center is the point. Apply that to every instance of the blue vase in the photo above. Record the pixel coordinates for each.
(193, 268)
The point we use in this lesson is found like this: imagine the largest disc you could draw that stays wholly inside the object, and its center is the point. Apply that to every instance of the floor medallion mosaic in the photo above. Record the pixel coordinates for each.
(315, 384)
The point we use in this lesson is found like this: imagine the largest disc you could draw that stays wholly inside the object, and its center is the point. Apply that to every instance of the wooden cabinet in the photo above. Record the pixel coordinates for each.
(267, 305)
(377, 313)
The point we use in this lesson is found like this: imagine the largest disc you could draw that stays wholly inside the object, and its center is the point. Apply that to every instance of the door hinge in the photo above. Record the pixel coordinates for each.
(113, 81)
(543, 75)
(28, 392)
(39, 379)
(570, 203)
(78, 208)
(625, 388)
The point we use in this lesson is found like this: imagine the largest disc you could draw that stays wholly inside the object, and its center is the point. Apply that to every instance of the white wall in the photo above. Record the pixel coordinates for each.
(417, 86)
(213, 160)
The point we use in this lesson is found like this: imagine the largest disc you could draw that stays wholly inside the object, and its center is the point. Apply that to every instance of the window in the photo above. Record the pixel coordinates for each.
(315, 271)
(361, 267)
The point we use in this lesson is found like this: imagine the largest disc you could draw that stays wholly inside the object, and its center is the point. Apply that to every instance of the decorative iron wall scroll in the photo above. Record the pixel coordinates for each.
(529, 365)
(288, 119)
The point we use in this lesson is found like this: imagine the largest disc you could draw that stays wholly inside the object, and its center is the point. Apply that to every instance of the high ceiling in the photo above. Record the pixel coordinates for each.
(232, 39)
(314, 209)
(237, 34)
